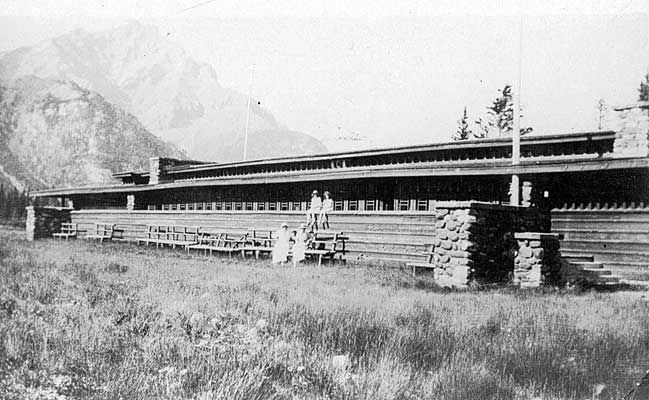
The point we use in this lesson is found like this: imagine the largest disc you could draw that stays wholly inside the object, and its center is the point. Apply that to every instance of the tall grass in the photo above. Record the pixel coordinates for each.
(82, 320)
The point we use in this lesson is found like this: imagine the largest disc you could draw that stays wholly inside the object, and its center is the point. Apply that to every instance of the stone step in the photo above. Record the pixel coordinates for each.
(586, 264)
(594, 279)
(610, 279)
(589, 273)
(597, 272)
(577, 257)
(606, 255)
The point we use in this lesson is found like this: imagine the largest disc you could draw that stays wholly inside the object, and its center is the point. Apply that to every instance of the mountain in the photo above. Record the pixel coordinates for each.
(55, 133)
(177, 98)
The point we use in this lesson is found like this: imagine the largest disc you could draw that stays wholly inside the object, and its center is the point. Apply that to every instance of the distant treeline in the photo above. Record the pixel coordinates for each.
(12, 205)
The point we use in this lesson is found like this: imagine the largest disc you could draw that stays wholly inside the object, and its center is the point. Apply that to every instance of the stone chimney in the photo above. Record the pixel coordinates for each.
(156, 170)
(632, 136)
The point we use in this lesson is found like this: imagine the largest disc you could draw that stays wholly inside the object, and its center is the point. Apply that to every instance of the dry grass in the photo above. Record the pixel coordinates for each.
(83, 320)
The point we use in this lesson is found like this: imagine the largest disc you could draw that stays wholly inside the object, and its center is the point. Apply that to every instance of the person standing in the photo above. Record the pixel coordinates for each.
(280, 250)
(314, 210)
(327, 207)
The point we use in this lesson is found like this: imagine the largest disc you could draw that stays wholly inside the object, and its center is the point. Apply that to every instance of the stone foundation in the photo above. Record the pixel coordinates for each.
(474, 241)
(538, 261)
(42, 222)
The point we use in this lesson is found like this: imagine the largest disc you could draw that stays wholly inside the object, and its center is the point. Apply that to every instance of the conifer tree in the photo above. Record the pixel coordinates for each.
(643, 94)
(500, 116)
(463, 131)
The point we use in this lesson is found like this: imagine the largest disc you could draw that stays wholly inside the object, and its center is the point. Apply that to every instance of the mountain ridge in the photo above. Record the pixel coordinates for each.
(175, 97)
(55, 133)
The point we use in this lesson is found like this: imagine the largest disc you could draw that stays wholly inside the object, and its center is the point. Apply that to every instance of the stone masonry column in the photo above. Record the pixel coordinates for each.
(130, 202)
(537, 261)
(526, 194)
(154, 170)
(42, 222)
(632, 136)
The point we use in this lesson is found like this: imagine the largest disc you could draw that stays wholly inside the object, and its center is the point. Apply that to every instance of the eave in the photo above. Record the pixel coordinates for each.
(529, 166)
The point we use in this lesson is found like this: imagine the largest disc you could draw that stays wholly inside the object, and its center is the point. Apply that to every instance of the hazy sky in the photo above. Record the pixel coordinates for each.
(397, 76)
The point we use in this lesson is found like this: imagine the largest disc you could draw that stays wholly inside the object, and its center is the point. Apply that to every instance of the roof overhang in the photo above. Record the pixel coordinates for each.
(457, 145)
(460, 168)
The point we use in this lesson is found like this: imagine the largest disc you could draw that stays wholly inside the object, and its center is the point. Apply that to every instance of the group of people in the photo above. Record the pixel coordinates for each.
(300, 238)
(318, 211)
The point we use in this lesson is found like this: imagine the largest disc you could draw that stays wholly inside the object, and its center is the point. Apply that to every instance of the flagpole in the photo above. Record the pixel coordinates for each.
(245, 138)
(516, 134)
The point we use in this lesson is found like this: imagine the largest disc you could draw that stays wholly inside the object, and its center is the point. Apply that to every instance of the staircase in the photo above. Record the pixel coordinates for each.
(610, 242)
(584, 268)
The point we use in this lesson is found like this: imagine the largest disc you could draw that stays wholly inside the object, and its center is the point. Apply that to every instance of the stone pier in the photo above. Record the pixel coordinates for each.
(538, 261)
(473, 241)
(42, 222)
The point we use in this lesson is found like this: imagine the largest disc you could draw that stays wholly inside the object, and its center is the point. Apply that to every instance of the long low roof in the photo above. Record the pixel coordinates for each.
(529, 165)
(500, 142)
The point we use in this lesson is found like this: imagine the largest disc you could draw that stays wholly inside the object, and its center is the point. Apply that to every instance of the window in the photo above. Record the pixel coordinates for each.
(370, 205)
(338, 205)
(249, 205)
(352, 205)
(261, 206)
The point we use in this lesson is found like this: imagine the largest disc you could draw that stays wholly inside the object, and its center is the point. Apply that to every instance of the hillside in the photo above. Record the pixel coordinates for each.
(54, 133)
(177, 98)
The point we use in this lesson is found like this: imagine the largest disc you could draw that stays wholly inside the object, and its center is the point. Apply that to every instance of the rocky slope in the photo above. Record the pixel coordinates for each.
(180, 100)
(55, 133)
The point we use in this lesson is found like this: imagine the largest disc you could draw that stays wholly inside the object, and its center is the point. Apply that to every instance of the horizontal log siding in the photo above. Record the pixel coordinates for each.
(389, 236)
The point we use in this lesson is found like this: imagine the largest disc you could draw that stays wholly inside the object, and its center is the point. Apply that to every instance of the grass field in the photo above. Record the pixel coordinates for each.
(111, 321)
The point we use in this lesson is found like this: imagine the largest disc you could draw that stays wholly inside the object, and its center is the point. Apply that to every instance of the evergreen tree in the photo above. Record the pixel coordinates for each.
(463, 131)
(484, 127)
(500, 116)
(644, 89)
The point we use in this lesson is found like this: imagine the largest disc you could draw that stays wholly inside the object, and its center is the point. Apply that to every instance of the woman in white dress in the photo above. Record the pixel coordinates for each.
(313, 211)
(301, 242)
(280, 250)
(327, 206)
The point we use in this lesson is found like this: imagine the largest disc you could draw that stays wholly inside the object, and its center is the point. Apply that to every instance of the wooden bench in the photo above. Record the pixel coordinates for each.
(102, 231)
(258, 241)
(68, 230)
(327, 246)
(170, 235)
(428, 264)
(218, 242)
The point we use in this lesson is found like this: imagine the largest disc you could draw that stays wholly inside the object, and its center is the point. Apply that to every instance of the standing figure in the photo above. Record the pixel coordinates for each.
(280, 250)
(314, 210)
(299, 247)
(327, 206)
